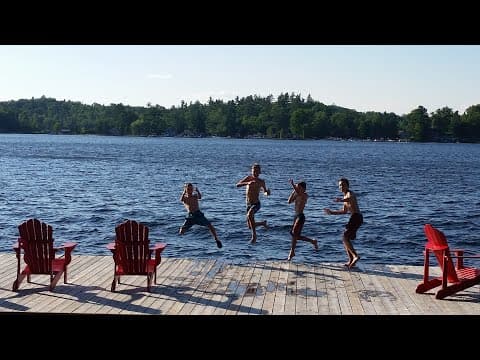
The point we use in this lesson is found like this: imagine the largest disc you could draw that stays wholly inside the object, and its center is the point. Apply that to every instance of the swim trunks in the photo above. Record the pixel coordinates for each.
(356, 220)
(255, 207)
(299, 222)
(196, 217)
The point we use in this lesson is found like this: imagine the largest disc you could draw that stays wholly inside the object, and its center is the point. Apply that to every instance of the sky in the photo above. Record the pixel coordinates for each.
(390, 78)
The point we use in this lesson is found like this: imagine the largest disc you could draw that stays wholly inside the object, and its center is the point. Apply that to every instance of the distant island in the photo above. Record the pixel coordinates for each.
(289, 116)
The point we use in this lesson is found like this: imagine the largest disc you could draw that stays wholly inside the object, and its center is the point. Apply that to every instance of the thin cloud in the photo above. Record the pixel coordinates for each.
(160, 76)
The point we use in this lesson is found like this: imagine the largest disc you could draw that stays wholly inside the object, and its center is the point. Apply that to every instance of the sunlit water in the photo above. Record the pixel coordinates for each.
(85, 185)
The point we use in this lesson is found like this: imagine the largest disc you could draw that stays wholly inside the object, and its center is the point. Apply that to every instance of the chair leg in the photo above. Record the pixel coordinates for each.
(452, 289)
(54, 281)
(423, 287)
(149, 282)
(18, 281)
(447, 291)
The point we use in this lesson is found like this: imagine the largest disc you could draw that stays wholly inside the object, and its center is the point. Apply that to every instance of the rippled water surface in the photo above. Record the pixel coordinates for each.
(84, 185)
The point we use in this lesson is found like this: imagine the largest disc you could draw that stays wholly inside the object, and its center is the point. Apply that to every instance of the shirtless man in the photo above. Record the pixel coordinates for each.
(350, 205)
(254, 184)
(195, 216)
(300, 197)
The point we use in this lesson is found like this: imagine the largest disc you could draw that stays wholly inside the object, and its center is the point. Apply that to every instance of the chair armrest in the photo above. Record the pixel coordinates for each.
(469, 252)
(69, 246)
(158, 246)
(459, 253)
(16, 248)
(17, 245)
(463, 256)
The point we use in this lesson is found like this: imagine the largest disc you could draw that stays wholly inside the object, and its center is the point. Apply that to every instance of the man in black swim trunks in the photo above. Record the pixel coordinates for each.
(253, 185)
(195, 216)
(350, 205)
(299, 196)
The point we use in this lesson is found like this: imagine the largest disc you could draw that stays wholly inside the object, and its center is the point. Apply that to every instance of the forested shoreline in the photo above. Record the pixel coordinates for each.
(289, 116)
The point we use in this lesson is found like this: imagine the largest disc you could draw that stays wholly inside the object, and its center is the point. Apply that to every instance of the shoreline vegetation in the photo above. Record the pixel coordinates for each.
(289, 116)
(230, 137)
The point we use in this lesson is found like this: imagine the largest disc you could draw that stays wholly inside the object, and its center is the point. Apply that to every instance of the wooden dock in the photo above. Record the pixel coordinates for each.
(216, 287)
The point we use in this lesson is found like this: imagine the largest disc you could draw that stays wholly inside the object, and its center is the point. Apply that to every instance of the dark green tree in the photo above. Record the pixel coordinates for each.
(418, 124)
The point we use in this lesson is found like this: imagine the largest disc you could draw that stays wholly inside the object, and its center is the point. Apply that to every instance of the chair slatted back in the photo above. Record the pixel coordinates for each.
(132, 246)
(437, 242)
(36, 240)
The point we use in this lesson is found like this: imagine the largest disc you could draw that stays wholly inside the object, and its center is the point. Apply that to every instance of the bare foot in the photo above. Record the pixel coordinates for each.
(253, 240)
(265, 225)
(219, 244)
(291, 255)
(347, 264)
(354, 261)
(315, 244)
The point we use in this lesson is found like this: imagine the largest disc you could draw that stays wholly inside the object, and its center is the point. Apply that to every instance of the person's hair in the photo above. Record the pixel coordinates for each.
(303, 184)
(188, 184)
(256, 166)
(344, 180)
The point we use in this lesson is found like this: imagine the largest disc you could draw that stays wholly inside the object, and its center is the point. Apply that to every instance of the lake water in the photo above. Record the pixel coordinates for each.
(85, 185)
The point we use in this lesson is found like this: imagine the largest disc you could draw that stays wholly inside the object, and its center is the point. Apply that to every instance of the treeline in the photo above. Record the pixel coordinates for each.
(287, 116)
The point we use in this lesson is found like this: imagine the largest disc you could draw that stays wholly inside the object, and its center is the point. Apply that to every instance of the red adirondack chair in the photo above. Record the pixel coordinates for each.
(132, 253)
(36, 241)
(454, 278)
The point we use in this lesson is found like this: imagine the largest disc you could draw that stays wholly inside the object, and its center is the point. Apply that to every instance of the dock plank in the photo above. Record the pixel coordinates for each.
(196, 292)
(181, 290)
(281, 288)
